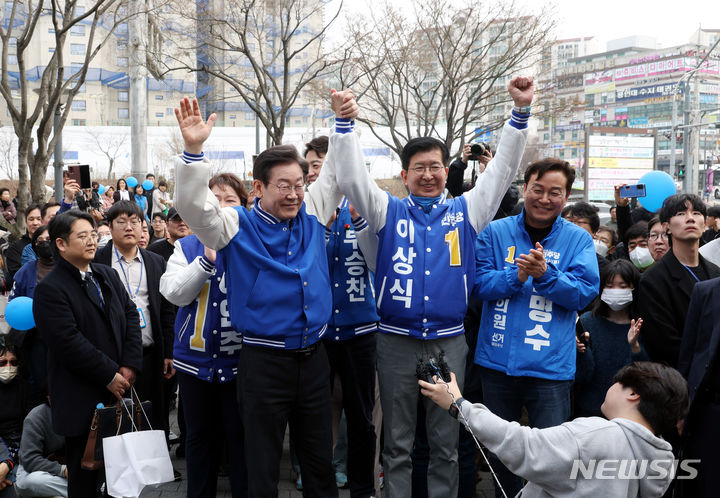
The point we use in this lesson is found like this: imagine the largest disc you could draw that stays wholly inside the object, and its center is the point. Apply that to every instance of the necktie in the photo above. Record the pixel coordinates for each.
(93, 290)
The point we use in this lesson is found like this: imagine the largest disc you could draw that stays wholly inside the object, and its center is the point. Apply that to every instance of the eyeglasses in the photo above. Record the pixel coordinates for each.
(85, 238)
(4, 363)
(579, 221)
(432, 168)
(285, 189)
(124, 223)
(553, 194)
(655, 236)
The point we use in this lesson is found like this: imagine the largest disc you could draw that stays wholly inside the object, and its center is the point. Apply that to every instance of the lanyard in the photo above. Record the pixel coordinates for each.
(125, 275)
(691, 272)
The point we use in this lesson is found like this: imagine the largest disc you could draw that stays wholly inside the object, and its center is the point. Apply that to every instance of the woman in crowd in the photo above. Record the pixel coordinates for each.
(141, 200)
(107, 198)
(13, 255)
(28, 342)
(13, 408)
(121, 193)
(8, 207)
(607, 337)
(206, 354)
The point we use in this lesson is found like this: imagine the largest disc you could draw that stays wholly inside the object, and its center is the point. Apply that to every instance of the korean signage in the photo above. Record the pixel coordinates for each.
(664, 66)
(617, 159)
(645, 92)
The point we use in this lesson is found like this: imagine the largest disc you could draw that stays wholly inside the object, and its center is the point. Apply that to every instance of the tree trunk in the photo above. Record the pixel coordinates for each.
(23, 194)
(38, 170)
(110, 168)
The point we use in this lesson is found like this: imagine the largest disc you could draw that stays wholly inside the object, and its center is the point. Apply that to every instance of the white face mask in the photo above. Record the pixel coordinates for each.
(641, 257)
(617, 299)
(7, 373)
(103, 240)
(601, 248)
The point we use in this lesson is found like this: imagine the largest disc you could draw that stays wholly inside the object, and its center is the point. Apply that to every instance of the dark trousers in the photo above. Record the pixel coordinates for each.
(213, 424)
(702, 444)
(467, 449)
(547, 403)
(277, 387)
(354, 361)
(149, 386)
(81, 483)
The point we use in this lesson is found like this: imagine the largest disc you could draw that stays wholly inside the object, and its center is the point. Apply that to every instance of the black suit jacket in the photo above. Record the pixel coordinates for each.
(86, 343)
(699, 348)
(162, 312)
(663, 299)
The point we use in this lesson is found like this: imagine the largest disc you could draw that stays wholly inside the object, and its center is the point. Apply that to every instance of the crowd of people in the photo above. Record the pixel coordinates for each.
(315, 301)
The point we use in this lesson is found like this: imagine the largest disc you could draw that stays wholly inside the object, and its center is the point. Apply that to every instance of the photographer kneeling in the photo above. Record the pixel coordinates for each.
(620, 456)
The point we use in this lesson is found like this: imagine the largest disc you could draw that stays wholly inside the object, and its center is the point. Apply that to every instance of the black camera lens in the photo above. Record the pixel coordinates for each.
(477, 149)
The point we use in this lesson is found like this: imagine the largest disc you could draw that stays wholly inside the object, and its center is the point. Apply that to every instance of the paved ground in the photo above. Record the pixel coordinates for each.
(286, 488)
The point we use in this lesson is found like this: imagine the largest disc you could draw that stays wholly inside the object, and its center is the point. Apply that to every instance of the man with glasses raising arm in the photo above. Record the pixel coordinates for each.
(279, 296)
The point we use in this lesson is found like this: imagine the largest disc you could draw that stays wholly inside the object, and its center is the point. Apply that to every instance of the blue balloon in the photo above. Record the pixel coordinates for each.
(101, 189)
(148, 185)
(131, 181)
(19, 313)
(658, 187)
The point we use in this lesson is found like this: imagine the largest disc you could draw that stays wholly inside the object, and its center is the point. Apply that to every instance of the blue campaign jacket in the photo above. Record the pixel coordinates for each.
(206, 345)
(25, 280)
(354, 309)
(425, 268)
(277, 279)
(528, 329)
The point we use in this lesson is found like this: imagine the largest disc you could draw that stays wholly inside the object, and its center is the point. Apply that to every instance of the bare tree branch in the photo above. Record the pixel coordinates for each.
(441, 68)
(268, 53)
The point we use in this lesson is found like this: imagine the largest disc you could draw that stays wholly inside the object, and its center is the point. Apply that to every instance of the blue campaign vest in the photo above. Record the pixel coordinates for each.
(354, 310)
(425, 268)
(277, 279)
(206, 344)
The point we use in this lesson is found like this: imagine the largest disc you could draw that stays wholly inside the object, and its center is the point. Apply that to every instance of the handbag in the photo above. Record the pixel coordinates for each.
(136, 459)
(111, 421)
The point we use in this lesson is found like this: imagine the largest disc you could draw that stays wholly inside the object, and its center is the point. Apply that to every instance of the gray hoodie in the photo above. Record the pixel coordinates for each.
(586, 457)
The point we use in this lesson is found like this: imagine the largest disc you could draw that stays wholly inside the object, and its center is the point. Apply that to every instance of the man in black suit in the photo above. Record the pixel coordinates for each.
(699, 364)
(140, 272)
(91, 330)
(664, 291)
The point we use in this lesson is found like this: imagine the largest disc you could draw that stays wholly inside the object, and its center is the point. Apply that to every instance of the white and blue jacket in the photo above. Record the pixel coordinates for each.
(206, 345)
(528, 329)
(425, 264)
(276, 270)
(277, 274)
(354, 309)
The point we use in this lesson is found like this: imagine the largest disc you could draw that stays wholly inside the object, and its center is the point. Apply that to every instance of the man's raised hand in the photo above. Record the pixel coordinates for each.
(194, 130)
(343, 104)
(522, 89)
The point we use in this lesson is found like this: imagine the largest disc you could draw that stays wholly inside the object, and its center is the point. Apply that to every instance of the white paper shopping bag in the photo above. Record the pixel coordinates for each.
(134, 460)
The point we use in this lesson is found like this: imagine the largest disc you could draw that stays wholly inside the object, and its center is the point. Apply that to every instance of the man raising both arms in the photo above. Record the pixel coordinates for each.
(425, 270)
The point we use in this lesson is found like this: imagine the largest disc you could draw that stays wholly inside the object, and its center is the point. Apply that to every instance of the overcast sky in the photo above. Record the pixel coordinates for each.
(671, 23)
